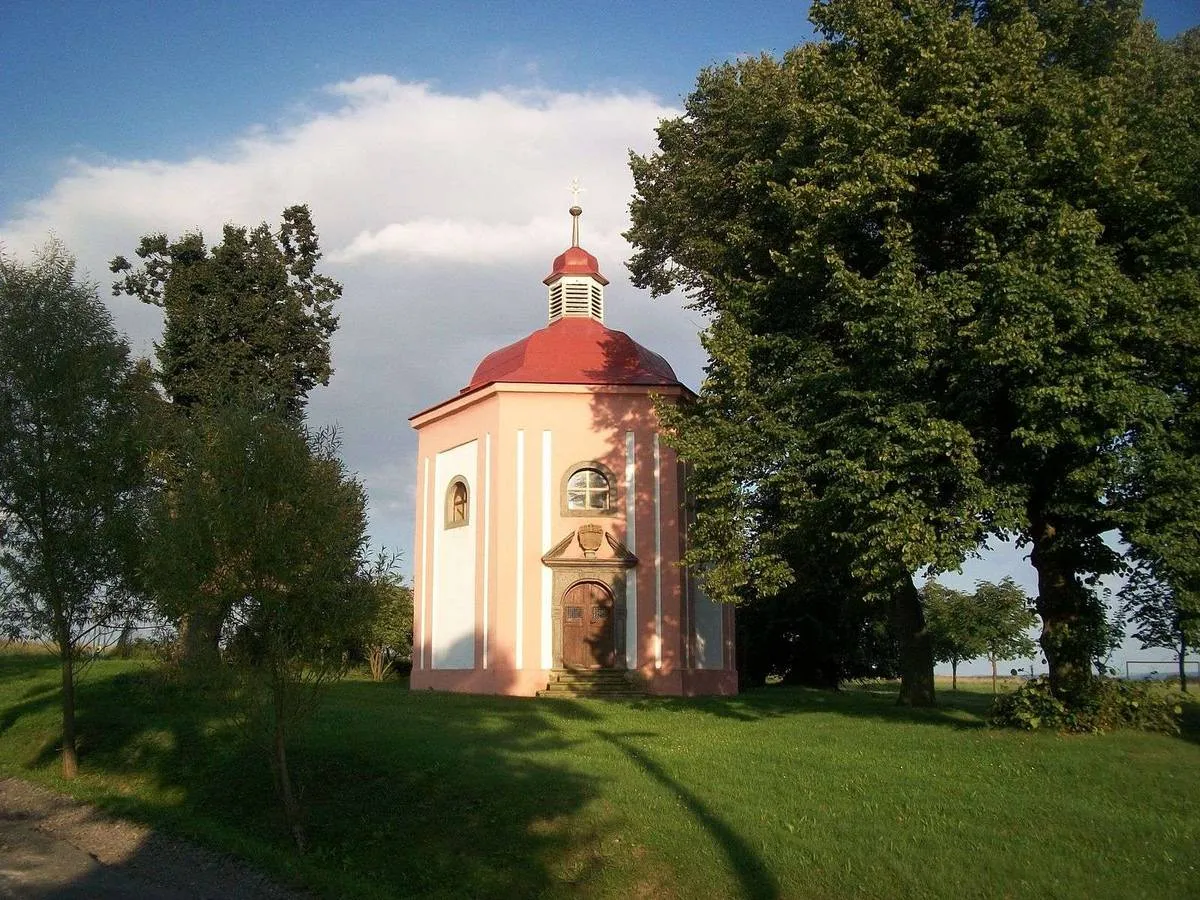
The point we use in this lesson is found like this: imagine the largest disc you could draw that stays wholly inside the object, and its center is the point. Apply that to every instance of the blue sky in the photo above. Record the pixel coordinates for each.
(434, 142)
(171, 78)
(131, 78)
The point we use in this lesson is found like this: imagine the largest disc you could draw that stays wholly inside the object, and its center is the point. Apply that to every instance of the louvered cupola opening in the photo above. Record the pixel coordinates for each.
(576, 297)
(556, 301)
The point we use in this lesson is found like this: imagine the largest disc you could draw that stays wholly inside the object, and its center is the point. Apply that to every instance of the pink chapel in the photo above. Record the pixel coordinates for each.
(550, 519)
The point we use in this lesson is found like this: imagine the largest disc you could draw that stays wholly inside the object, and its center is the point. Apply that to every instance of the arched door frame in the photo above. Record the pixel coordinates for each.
(563, 624)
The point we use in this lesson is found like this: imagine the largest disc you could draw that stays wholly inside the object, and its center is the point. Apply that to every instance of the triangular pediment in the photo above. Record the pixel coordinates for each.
(589, 545)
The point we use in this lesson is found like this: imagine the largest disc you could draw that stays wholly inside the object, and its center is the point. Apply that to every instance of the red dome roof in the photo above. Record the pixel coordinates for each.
(574, 351)
(575, 261)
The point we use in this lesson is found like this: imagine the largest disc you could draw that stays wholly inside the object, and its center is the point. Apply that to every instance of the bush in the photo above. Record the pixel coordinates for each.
(1108, 704)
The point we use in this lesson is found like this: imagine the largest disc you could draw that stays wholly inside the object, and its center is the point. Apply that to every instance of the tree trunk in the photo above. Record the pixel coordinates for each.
(1068, 620)
(200, 639)
(283, 780)
(379, 663)
(954, 674)
(916, 648)
(993, 661)
(70, 758)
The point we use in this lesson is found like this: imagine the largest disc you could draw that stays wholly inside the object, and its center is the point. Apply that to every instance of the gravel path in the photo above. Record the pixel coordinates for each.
(54, 847)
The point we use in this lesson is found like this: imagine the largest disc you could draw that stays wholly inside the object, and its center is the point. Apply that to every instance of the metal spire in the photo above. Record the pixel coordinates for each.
(576, 210)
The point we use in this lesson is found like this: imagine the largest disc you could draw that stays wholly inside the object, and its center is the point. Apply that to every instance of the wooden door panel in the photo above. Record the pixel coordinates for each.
(588, 626)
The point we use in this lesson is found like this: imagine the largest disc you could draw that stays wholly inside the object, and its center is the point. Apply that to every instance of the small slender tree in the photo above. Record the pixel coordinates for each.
(263, 517)
(71, 473)
(389, 631)
(1163, 617)
(1003, 618)
(952, 618)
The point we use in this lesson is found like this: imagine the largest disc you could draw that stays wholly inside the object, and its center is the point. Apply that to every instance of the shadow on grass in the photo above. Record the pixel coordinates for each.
(1189, 723)
(28, 686)
(756, 881)
(960, 710)
(406, 794)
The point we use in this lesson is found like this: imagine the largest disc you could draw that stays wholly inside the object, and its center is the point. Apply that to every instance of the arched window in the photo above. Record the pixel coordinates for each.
(458, 504)
(588, 489)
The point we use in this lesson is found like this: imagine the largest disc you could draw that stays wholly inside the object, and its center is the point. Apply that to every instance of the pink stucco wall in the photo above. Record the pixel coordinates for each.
(585, 423)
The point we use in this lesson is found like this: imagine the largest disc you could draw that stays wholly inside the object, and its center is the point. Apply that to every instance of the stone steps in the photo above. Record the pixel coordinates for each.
(592, 683)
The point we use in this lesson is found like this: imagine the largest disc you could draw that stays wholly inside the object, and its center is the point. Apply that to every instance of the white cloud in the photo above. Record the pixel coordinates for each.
(439, 213)
(448, 240)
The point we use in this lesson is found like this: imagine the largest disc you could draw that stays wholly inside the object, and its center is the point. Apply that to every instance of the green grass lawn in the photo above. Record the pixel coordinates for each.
(779, 793)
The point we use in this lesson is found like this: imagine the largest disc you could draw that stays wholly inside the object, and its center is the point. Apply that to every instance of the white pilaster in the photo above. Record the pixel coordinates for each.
(547, 615)
(426, 561)
(487, 535)
(657, 556)
(519, 643)
(631, 575)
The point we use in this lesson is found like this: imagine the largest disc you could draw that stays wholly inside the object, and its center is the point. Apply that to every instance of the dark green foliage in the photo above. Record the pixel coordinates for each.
(819, 630)
(246, 327)
(247, 323)
(1107, 705)
(953, 290)
(810, 633)
(387, 639)
(263, 530)
(71, 466)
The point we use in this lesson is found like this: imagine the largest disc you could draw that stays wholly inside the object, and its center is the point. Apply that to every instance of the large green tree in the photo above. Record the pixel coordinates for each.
(71, 467)
(1160, 500)
(246, 326)
(932, 250)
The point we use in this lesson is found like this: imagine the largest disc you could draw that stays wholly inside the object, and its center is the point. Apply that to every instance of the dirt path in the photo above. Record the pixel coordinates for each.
(55, 847)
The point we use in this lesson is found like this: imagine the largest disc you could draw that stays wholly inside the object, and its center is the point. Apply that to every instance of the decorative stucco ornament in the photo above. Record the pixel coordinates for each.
(589, 537)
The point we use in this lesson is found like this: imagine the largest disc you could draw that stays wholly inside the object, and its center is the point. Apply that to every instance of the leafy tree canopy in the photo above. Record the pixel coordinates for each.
(388, 636)
(955, 624)
(247, 322)
(71, 474)
(948, 288)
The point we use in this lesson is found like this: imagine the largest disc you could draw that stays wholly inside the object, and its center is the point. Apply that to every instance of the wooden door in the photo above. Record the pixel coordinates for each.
(588, 626)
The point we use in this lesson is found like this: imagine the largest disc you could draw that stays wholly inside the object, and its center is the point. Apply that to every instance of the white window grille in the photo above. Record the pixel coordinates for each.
(588, 489)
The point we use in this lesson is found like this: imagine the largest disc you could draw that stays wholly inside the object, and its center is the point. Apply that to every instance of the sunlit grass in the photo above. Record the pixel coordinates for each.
(782, 792)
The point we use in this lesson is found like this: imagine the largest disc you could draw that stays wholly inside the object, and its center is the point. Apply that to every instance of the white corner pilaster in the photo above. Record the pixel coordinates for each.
(487, 536)
(631, 578)
(547, 614)
(657, 555)
(519, 642)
